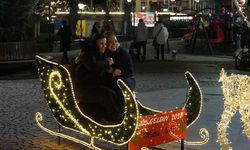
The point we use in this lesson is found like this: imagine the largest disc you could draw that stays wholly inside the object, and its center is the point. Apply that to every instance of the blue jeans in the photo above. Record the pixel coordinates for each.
(130, 82)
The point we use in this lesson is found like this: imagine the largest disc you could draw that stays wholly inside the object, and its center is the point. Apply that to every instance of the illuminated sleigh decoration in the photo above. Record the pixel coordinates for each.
(59, 93)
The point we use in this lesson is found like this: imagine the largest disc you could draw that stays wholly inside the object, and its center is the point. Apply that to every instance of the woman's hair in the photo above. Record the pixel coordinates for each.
(97, 37)
(110, 35)
(95, 40)
(95, 24)
(85, 44)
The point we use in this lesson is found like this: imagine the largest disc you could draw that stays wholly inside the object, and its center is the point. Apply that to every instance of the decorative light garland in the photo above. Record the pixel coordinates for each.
(241, 13)
(59, 94)
(53, 75)
(204, 134)
(194, 107)
(194, 99)
(236, 93)
(64, 108)
(39, 118)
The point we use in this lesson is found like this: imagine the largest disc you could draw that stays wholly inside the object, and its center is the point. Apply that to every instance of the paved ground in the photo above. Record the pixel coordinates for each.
(160, 85)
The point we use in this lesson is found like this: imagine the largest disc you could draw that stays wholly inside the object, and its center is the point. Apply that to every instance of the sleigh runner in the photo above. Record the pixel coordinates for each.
(58, 87)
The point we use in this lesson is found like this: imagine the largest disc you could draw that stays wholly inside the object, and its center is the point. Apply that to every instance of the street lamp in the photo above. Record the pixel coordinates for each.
(81, 7)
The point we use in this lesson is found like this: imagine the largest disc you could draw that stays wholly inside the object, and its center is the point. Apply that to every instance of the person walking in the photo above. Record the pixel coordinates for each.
(141, 39)
(161, 34)
(65, 40)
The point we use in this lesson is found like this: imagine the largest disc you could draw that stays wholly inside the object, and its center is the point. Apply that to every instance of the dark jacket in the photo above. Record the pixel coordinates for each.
(122, 61)
(65, 38)
(92, 69)
(94, 31)
(96, 100)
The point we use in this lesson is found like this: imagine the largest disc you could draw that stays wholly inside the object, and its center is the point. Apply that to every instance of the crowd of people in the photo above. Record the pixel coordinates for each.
(160, 33)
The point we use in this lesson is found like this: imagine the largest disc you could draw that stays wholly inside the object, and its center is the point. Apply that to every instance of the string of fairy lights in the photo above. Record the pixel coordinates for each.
(240, 7)
(39, 118)
(194, 107)
(56, 82)
(236, 93)
(59, 93)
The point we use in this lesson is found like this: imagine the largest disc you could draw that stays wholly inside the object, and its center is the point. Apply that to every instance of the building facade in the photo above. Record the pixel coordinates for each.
(171, 5)
(120, 12)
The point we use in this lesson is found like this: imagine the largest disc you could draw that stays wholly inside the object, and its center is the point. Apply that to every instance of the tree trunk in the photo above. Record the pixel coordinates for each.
(73, 5)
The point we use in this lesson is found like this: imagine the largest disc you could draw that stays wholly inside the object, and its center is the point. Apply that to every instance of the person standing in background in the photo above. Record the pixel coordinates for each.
(96, 29)
(156, 28)
(107, 28)
(244, 34)
(65, 40)
(141, 39)
(161, 34)
(237, 29)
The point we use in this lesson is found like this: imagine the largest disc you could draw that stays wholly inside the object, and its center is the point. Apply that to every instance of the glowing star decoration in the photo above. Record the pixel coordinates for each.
(236, 93)
(58, 89)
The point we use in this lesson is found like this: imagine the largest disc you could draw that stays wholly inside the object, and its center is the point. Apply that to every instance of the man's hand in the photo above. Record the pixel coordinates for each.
(117, 73)
(77, 60)
(110, 61)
